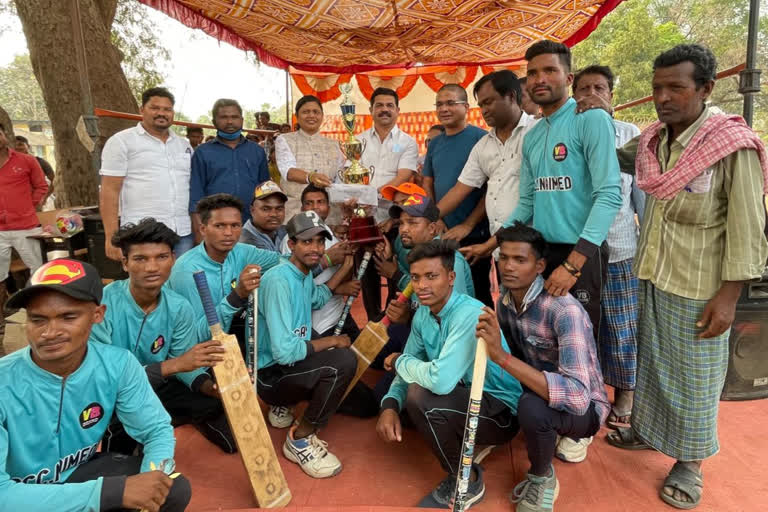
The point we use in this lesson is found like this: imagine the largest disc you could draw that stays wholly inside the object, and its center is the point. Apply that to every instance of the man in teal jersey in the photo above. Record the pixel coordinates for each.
(434, 375)
(569, 181)
(292, 366)
(158, 326)
(56, 399)
(233, 269)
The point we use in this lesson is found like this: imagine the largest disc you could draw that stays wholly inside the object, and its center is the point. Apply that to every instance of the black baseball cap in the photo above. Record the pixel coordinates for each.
(305, 225)
(78, 279)
(416, 205)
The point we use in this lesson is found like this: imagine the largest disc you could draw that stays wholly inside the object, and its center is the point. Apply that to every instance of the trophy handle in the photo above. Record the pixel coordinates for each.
(370, 176)
(340, 174)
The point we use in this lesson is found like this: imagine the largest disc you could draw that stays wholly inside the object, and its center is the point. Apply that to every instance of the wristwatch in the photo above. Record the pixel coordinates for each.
(571, 269)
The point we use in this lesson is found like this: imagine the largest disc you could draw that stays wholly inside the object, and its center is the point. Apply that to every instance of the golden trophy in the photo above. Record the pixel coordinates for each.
(356, 181)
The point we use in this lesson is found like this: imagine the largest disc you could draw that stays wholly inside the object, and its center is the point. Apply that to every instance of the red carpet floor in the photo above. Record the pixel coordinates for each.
(380, 477)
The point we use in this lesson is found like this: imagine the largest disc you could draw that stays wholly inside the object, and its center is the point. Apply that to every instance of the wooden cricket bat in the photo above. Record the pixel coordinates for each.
(351, 298)
(470, 427)
(244, 413)
(371, 340)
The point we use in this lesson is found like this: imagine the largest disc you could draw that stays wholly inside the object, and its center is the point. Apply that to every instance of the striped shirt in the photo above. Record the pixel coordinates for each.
(709, 233)
(554, 335)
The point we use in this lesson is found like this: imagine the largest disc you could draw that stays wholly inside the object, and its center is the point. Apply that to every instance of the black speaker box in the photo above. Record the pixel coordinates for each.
(747, 377)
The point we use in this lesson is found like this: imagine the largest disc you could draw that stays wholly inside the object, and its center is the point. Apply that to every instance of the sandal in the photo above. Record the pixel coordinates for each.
(685, 480)
(626, 439)
(615, 416)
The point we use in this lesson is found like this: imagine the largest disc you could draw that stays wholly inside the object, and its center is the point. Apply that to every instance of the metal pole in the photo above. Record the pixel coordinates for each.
(288, 99)
(749, 83)
(91, 121)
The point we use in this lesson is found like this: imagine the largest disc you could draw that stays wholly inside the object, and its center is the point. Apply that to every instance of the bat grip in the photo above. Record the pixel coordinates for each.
(404, 297)
(351, 298)
(205, 297)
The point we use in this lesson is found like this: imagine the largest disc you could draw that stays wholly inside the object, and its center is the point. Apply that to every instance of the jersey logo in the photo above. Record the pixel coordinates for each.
(157, 345)
(58, 272)
(553, 184)
(582, 296)
(560, 152)
(91, 415)
(301, 332)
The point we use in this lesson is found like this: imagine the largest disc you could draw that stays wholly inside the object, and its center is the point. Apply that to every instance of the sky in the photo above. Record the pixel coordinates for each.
(200, 69)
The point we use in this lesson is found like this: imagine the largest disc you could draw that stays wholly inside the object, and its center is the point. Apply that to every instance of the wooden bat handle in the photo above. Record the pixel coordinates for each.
(404, 297)
(205, 297)
(470, 428)
(351, 298)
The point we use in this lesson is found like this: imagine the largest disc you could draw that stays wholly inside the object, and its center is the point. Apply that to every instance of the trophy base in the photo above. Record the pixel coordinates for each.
(363, 230)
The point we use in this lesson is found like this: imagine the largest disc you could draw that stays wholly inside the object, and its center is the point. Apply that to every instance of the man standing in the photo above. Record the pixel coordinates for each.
(158, 326)
(701, 240)
(232, 164)
(194, 136)
(265, 228)
(569, 181)
(446, 156)
(394, 156)
(22, 190)
(22, 146)
(145, 173)
(305, 157)
(74, 387)
(292, 366)
(617, 338)
(496, 158)
(553, 355)
(434, 375)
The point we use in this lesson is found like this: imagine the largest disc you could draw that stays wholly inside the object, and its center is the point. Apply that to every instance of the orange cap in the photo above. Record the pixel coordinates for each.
(407, 188)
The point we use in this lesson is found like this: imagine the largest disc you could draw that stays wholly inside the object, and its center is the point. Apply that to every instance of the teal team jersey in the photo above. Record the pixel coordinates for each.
(167, 332)
(51, 425)
(440, 354)
(569, 180)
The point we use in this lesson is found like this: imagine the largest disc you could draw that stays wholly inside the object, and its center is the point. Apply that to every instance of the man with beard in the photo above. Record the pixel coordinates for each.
(232, 164)
(145, 173)
(292, 366)
(496, 158)
(394, 156)
(446, 156)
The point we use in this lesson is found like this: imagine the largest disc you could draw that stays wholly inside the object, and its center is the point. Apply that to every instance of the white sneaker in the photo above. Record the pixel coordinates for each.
(312, 455)
(569, 450)
(280, 416)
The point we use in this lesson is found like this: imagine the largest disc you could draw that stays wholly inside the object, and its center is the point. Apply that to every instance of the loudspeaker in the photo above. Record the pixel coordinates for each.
(747, 377)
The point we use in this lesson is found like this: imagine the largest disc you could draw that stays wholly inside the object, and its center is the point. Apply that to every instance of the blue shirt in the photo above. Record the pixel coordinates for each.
(569, 179)
(218, 168)
(444, 162)
(287, 297)
(166, 332)
(440, 354)
(50, 425)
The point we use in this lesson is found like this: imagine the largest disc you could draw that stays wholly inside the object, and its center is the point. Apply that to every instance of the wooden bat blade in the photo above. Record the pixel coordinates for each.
(248, 426)
(366, 347)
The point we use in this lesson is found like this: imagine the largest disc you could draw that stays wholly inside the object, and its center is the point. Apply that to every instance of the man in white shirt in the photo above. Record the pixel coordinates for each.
(496, 158)
(394, 157)
(145, 173)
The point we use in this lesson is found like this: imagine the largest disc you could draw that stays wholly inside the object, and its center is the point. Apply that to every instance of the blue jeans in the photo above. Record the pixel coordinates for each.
(186, 243)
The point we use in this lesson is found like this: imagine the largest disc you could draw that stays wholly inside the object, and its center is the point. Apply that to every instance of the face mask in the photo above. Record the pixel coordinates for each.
(228, 136)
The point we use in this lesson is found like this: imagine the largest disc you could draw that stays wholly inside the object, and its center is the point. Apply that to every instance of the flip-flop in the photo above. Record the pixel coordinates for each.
(626, 439)
(613, 423)
(685, 480)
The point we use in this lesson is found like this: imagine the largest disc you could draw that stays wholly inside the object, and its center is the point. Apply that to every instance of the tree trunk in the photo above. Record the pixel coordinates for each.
(47, 26)
(5, 120)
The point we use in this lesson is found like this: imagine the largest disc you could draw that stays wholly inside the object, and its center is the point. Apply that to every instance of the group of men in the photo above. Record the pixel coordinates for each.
(552, 194)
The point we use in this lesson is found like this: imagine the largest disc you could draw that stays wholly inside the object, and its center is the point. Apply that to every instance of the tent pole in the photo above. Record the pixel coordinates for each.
(288, 99)
(749, 83)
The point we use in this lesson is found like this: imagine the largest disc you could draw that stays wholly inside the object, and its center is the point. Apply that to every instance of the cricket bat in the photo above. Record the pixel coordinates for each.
(244, 413)
(371, 340)
(351, 298)
(470, 427)
(251, 352)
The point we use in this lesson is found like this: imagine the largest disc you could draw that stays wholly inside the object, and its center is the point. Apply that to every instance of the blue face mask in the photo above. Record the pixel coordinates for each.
(228, 136)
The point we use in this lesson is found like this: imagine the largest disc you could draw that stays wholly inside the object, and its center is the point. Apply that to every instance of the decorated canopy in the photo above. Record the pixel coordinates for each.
(349, 36)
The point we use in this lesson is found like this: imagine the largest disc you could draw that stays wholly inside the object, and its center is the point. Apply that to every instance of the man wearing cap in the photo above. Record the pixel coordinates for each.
(158, 326)
(292, 367)
(265, 227)
(57, 397)
(233, 269)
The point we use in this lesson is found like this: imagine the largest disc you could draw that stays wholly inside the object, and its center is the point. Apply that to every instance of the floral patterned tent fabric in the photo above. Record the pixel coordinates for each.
(352, 36)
